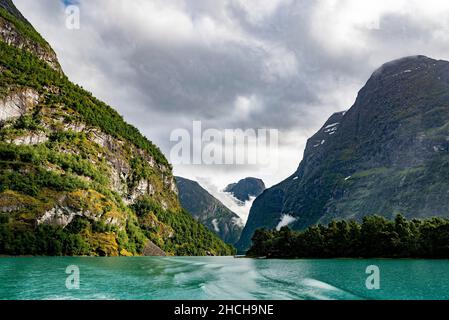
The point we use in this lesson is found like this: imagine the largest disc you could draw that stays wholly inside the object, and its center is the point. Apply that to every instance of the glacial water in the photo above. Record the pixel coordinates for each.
(220, 278)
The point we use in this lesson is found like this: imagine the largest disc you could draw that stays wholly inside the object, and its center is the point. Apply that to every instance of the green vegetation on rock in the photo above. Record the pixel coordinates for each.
(191, 237)
(75, 178)
(25, 29)
(23, 69)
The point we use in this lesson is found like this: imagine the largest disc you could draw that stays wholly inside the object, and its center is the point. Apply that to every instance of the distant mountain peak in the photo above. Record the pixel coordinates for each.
(246, 188)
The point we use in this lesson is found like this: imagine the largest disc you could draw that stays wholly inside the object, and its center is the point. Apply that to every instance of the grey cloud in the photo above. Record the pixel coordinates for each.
(167, 73)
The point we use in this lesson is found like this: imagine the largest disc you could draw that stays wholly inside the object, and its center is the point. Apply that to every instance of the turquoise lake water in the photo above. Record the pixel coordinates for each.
(220, 278)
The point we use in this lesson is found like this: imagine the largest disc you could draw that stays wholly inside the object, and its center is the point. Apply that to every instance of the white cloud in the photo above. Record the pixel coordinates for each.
(340, 26)
(245, 105)
(285, 221)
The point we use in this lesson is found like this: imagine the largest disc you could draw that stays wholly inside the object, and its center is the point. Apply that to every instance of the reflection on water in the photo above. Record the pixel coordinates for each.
(220, 278)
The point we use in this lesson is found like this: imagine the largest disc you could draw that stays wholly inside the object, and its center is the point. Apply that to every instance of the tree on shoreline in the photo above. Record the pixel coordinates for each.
(374, 237)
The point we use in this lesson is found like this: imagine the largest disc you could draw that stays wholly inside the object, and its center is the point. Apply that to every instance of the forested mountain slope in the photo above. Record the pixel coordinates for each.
(75, 178)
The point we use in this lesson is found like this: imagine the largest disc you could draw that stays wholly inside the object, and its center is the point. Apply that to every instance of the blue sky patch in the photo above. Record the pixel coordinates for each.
(70, 2)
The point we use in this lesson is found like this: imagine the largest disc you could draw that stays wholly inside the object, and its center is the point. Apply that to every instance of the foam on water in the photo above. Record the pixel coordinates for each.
(324, 291)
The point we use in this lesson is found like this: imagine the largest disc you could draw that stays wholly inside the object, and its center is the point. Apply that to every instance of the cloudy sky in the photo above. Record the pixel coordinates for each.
(281, 64)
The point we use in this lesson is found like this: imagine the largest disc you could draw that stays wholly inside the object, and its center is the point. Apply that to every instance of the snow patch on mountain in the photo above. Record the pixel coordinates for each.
(215, 224)
(227, 199)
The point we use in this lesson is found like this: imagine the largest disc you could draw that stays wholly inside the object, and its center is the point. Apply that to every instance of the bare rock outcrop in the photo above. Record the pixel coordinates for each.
(18, 103)
(60, 216)
(31, 139)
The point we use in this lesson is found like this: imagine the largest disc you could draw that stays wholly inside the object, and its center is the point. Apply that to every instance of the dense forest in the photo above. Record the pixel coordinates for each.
(375, 237)
(84, 237)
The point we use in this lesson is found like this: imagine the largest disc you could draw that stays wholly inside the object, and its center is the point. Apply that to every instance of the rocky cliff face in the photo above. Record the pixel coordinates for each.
(246, 188)
(388, 153)
(18, 103)
(209, 211)
(75, 179)
(113, 151)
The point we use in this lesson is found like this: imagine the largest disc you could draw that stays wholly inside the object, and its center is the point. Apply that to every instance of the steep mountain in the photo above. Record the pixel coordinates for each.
(246, 188)
(209, 211)
(75, 179)
(388, 154)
